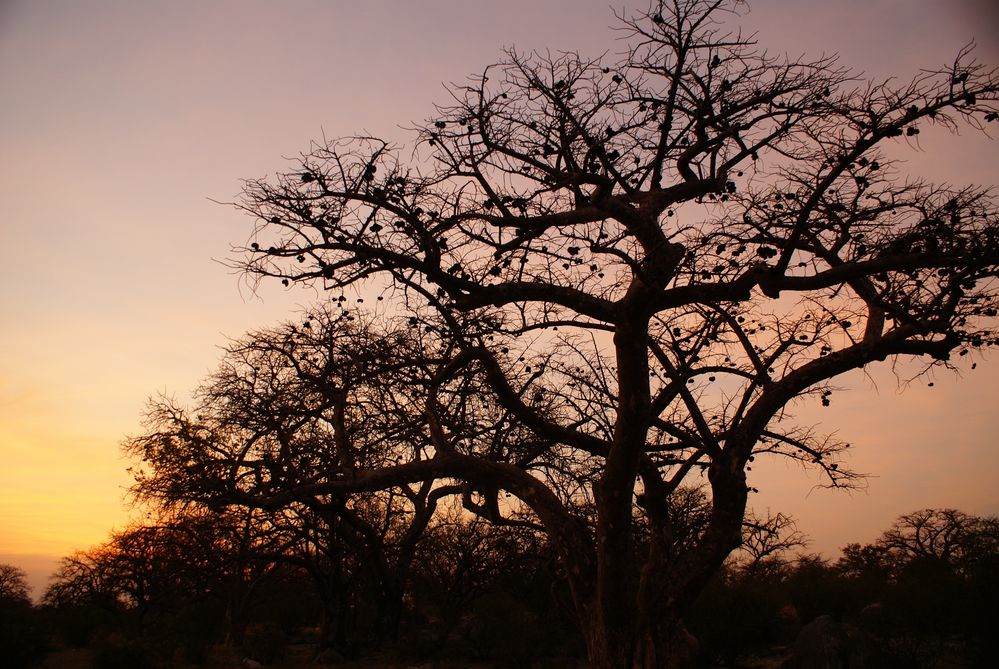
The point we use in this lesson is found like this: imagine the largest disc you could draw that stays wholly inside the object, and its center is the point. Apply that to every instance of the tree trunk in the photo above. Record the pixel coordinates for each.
(393, 616)
(388, 614)
(633, 625)
(333, 623)
(666, 644)
(235, 624)
(237, 603)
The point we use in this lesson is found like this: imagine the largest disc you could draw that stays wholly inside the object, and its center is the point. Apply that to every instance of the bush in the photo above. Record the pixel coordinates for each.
(265, 643)
(196, 630)
(118, 654)
(736, 614)
(23, 643)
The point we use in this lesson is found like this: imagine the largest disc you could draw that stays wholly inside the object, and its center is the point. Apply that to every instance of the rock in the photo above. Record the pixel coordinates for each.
(330, 656)
(250, 663)
(684, 648)
(873, 619)
(827, 644)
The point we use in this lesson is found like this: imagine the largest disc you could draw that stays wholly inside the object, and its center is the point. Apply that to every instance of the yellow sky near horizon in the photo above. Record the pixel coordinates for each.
(123, 121)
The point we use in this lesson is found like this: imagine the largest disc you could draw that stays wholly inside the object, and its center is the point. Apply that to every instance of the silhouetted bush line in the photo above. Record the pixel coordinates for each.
(927, 587)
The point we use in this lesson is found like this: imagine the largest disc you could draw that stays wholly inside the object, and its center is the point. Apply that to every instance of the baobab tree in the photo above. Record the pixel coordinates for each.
(646, 262)
(945, 539)
(287, 408)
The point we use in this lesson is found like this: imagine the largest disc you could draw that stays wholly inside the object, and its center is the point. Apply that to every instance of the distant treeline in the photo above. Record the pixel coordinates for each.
(358, 581)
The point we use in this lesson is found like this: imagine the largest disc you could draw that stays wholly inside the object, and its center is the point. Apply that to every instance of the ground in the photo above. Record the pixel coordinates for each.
(300, 657)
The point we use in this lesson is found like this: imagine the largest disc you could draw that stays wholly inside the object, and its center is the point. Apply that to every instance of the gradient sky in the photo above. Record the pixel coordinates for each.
(123, 120)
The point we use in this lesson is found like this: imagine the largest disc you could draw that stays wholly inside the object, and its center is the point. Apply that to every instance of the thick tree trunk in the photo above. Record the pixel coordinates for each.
(638, 625)
(611, 637)
(389, 615)
(237, 603)
(666, 644)
(333, 622)
(235, 625)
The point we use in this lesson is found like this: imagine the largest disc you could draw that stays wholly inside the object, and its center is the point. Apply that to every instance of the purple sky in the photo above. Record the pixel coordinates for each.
(122, 121)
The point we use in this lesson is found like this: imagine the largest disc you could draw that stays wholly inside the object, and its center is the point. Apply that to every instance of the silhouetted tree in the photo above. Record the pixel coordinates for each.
(933, 572)
(82, 579)
(23, 639)
(227, 557)
(766, 541)
(645, 262)
(147, 580)
(925, 589)
(462, 557)
(13, 585)
(955, 541)
(288, 406)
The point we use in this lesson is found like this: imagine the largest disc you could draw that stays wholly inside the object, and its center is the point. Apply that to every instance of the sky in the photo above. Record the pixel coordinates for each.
(124, 125)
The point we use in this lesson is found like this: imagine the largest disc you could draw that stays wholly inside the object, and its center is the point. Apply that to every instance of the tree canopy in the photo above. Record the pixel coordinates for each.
(13, 585)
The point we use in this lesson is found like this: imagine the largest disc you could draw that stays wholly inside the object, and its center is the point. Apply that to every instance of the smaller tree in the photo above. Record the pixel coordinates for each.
(81, 581)
(949, 538)
(934, 572)
(748, 605)
(13, 585)
(22, 640)
(944, 540)
(766, 541)
(290, 408)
